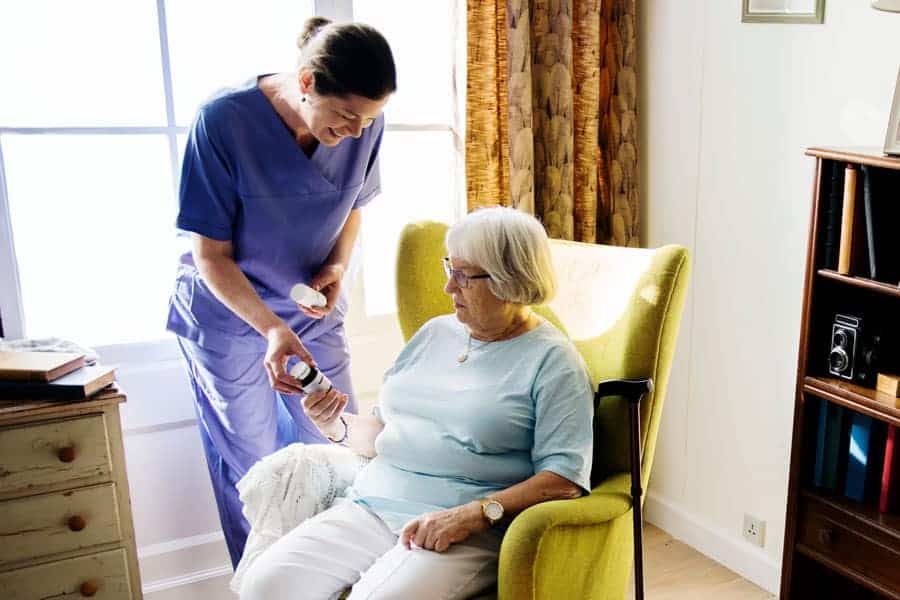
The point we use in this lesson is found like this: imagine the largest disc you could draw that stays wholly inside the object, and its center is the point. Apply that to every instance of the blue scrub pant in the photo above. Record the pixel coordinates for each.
(242, 419)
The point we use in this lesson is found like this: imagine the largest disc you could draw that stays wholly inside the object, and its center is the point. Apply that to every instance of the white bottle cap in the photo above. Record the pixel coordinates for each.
(307, 296)
(299, 370)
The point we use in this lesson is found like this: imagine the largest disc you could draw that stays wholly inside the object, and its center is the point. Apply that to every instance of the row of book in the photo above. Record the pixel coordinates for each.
(861, 240)
(57, 376)
(857, 456)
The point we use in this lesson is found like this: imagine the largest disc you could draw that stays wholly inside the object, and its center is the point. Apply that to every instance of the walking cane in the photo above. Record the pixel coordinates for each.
(633, 391)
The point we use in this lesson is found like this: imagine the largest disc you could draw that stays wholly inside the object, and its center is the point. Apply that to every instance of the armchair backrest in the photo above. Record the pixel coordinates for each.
(621, 307)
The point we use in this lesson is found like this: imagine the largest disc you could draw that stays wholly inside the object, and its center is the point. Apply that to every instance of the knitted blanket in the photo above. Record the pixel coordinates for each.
(285, 488)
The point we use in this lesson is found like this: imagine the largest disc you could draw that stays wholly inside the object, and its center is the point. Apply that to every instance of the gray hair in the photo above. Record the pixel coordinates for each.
(512, 247)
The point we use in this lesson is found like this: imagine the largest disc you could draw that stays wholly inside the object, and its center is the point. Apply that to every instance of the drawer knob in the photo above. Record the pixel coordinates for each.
(826, 536)
(76, 523)
(89, 588)
(66, 454)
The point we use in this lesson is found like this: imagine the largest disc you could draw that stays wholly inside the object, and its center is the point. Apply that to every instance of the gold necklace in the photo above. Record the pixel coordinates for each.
(505, 335)
(465, 355)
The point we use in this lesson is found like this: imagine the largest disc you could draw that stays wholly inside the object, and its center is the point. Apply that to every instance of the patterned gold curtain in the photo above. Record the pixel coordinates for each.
(551, 114)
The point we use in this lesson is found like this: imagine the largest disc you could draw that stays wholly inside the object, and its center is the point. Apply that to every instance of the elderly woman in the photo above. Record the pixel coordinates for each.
(485, 412)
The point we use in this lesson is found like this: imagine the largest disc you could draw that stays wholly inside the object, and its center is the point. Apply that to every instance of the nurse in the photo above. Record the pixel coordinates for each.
(274, 176)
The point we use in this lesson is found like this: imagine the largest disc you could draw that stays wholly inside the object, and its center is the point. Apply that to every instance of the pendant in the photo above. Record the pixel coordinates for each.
(462, 358)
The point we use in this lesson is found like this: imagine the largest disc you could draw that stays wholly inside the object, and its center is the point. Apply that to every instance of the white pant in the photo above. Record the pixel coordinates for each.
(347, 545)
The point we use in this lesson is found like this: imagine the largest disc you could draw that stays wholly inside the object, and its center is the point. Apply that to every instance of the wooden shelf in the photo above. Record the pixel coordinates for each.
(857, 513)
(859, 155)
(848, 573)
(846, 549)
(870, 402)
(869, 284)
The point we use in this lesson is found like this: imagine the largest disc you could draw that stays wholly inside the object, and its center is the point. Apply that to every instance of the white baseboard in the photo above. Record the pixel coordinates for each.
(187, 579)
(183, 562)
(187, 543)
(753, 564)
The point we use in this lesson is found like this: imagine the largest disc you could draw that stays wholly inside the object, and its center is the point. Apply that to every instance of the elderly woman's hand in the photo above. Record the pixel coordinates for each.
(323, 409)
(439, 530)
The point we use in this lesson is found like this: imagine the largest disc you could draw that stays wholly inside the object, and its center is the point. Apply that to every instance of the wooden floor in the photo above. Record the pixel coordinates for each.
(673, 570)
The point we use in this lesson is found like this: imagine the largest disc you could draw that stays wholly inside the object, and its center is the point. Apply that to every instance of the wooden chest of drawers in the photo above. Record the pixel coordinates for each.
(66, 525)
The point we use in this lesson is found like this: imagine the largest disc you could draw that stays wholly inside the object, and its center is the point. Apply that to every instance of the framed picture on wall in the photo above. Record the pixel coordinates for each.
(892, 139)
(783, 11)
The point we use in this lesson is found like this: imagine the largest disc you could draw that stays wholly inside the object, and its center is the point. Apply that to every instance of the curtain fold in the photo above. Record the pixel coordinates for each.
(587, 118)
(551, 114)
(521, 132)
(487, 152)
(618, 202)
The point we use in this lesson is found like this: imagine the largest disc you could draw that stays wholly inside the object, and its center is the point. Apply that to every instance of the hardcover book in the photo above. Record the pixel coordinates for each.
(865, 456)
(832, 446)
(77, 385)
(38, 366)
(868, 204)
(881, 218)
(889, 502)
(833, 182)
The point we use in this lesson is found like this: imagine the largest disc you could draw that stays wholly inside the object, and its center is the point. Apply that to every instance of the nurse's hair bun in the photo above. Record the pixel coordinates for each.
(347, 58)
(311, 27)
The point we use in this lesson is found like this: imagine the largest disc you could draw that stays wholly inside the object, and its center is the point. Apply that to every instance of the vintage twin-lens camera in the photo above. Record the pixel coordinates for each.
(845, 333)
(854, 352)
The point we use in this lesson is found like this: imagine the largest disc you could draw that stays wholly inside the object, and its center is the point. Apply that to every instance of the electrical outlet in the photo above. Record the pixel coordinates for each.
(754, 530)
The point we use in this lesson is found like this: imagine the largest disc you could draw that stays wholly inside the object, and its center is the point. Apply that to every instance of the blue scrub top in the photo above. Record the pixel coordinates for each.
(245, 179)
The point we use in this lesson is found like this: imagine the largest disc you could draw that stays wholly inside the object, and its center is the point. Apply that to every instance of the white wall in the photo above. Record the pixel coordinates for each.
(727, 110)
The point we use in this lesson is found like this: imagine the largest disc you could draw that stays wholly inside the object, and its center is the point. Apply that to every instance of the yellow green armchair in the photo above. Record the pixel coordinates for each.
(621, 307)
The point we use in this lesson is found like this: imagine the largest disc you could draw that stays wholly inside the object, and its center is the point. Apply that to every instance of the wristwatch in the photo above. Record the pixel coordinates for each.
(492, 510)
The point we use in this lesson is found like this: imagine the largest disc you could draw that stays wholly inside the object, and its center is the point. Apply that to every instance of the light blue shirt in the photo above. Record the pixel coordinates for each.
(456, 432)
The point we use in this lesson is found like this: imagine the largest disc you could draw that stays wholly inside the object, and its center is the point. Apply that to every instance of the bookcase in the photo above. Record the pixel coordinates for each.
(842, 529)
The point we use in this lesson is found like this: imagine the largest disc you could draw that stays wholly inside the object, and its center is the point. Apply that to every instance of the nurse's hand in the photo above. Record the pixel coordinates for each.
(282, 344)
(328, 281)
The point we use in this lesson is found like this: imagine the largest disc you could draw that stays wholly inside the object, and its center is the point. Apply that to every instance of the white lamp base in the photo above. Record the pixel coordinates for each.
(887, 5)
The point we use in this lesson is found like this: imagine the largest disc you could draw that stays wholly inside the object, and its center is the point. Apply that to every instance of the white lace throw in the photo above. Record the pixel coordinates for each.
(282, 490)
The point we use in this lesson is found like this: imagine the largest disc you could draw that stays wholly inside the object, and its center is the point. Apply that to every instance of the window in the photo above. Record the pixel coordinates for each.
(92, 218)
(421, 164)
(98, 98)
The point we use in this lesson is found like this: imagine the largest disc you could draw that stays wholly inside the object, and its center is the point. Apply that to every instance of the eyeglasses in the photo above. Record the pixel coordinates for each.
(461, 279)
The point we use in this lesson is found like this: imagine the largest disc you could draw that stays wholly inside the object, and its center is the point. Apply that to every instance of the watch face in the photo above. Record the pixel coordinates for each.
(493, 510)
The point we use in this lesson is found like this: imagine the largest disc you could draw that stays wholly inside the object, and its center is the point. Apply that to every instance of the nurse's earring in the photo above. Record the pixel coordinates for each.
(303, 98)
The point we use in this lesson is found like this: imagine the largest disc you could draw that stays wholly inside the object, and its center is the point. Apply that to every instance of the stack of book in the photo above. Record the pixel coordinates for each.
(51, 376)
(860, 240)
(858, 457)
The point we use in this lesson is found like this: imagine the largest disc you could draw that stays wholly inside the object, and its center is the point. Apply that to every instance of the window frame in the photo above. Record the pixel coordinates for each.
(12, 313)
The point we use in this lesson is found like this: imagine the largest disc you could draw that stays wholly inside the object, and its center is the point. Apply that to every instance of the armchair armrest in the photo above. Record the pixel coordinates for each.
(556, 549)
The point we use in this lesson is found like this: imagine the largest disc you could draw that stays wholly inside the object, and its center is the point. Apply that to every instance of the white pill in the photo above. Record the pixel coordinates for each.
(307, 296)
